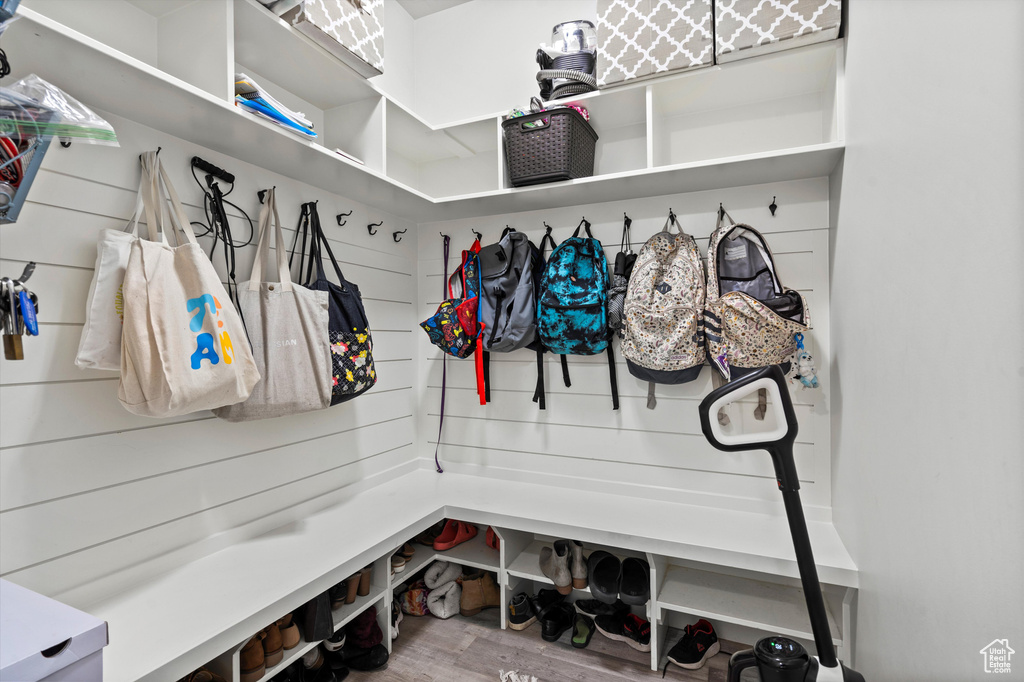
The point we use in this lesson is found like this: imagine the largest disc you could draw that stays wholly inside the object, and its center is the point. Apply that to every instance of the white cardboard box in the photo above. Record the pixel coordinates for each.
(42, 639)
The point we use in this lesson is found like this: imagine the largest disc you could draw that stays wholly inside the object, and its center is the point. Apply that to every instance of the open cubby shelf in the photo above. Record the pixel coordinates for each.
(771, 118)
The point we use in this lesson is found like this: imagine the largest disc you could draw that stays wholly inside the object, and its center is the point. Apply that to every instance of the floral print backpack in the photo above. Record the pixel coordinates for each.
(750, 319)
(664, 310)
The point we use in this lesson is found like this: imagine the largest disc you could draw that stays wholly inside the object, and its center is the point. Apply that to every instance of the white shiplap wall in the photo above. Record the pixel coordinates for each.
(87, 489)
(578, 441)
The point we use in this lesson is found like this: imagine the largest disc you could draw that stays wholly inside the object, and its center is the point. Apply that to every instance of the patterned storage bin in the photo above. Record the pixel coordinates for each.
(351, 30)
(746, 28)
(645, 38)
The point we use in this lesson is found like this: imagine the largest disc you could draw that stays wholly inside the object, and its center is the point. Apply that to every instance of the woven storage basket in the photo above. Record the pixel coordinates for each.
(561, 147)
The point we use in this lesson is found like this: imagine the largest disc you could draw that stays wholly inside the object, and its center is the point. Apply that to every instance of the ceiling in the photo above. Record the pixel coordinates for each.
(421, 8)
(159, 8)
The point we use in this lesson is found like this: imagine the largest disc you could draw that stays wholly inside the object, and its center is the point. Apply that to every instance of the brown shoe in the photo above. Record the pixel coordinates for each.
(253, 664)
(289, 632)
(428, 536)
(364, 580)
(351, 587)
(203, 675)
(479, 592)
(273, 646)
(407, 551)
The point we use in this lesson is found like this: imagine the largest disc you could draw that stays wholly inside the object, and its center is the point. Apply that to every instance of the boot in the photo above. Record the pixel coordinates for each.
(479, 592)
(554, 564)
(578, 566)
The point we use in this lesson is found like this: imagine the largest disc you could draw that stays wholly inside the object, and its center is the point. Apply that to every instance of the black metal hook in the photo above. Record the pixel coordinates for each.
(772, 206)
(66, 143)
(394, 235)
(721, 211)
(343, 215)
(369, 228)
(671, 216)
(627, 221)
(549, 228)
(262, 194)
(140, 155)
(476, 234)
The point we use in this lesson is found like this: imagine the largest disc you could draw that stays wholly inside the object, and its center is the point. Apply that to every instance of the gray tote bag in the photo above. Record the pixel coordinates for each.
(287, 327)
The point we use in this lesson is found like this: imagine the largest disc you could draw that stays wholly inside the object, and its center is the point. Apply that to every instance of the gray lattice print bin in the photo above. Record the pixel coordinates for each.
(351, 30)
(746, 28)
(548, 146)
(639, 39)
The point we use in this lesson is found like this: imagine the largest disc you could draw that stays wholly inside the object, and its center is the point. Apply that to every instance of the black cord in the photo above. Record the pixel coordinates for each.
(5, 66)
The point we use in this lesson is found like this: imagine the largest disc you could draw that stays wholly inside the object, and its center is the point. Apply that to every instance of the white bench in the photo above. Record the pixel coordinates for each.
(735, 566)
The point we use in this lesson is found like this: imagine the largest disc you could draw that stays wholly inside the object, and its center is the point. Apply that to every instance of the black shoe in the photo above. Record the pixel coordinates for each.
(603, 570)
(544, 599)
(555, 620)
(698, 643)
(635, 583)
(520, 612)
(320, 671)
(630, 628)
(582, 631)
(351, 656)
(595, 608)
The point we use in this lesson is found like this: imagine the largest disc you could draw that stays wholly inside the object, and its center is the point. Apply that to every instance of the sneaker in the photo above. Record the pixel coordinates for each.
(595, 608)
(335, 641)
(698, 643)
(629, 628)
(520, 613)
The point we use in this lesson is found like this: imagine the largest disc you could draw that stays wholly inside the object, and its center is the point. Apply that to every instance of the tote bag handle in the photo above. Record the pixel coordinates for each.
(178, 219)
(268, 213)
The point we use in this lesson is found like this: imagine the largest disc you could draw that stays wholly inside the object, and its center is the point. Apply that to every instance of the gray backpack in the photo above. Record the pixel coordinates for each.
(508, 295)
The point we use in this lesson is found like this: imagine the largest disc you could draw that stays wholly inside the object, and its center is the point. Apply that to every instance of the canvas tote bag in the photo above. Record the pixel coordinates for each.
(100, 344)
(184, 347)
(287, 327)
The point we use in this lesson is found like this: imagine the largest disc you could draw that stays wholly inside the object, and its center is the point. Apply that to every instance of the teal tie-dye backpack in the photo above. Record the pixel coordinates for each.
(572, 305)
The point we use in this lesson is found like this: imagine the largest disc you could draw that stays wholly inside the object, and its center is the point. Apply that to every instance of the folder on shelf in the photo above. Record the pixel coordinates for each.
(250, 97)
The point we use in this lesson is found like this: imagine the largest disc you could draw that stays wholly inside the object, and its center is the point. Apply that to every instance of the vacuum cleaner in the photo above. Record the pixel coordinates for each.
(777, 658)
(568, 66)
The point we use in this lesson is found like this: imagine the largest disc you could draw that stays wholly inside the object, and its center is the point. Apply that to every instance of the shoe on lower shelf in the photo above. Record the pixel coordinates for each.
(596, 607)
(520, 612)
(698, 643)
(454, 533)
(582, 631)
(629, 628)
(273, 646)
(252, 663)
(397, 564)
(315, 667)
(479, 592)
(543, 599)
(635, 583)
(555, 620)
(428, 536)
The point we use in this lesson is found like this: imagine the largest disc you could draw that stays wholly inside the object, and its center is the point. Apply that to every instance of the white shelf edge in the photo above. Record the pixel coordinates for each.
(746, 622)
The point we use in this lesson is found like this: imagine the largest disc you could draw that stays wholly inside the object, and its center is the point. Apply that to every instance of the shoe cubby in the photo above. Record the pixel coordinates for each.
(186, 40)
(228, 664)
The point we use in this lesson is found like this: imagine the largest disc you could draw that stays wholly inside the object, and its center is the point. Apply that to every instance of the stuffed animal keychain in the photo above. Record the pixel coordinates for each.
(803, 365)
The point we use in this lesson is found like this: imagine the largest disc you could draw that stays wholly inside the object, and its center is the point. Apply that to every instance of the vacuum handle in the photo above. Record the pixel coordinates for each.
(740, 661)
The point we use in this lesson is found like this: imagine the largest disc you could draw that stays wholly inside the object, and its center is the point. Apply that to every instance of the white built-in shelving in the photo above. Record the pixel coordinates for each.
(170, 66)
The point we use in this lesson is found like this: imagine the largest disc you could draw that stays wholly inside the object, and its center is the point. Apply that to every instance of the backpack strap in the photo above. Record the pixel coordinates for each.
(611, 376)
(545, 239)
(444, 368)
(626, 246)
(487, 375)
(652, 402)
(565, 371)
(584, 224)
(538, 392)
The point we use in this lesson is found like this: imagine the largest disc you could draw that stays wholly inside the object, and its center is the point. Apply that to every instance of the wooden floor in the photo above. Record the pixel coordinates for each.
(475, 649)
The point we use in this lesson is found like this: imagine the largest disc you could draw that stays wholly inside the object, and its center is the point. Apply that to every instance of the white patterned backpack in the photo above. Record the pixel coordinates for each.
(664, 311)
(751, 319)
